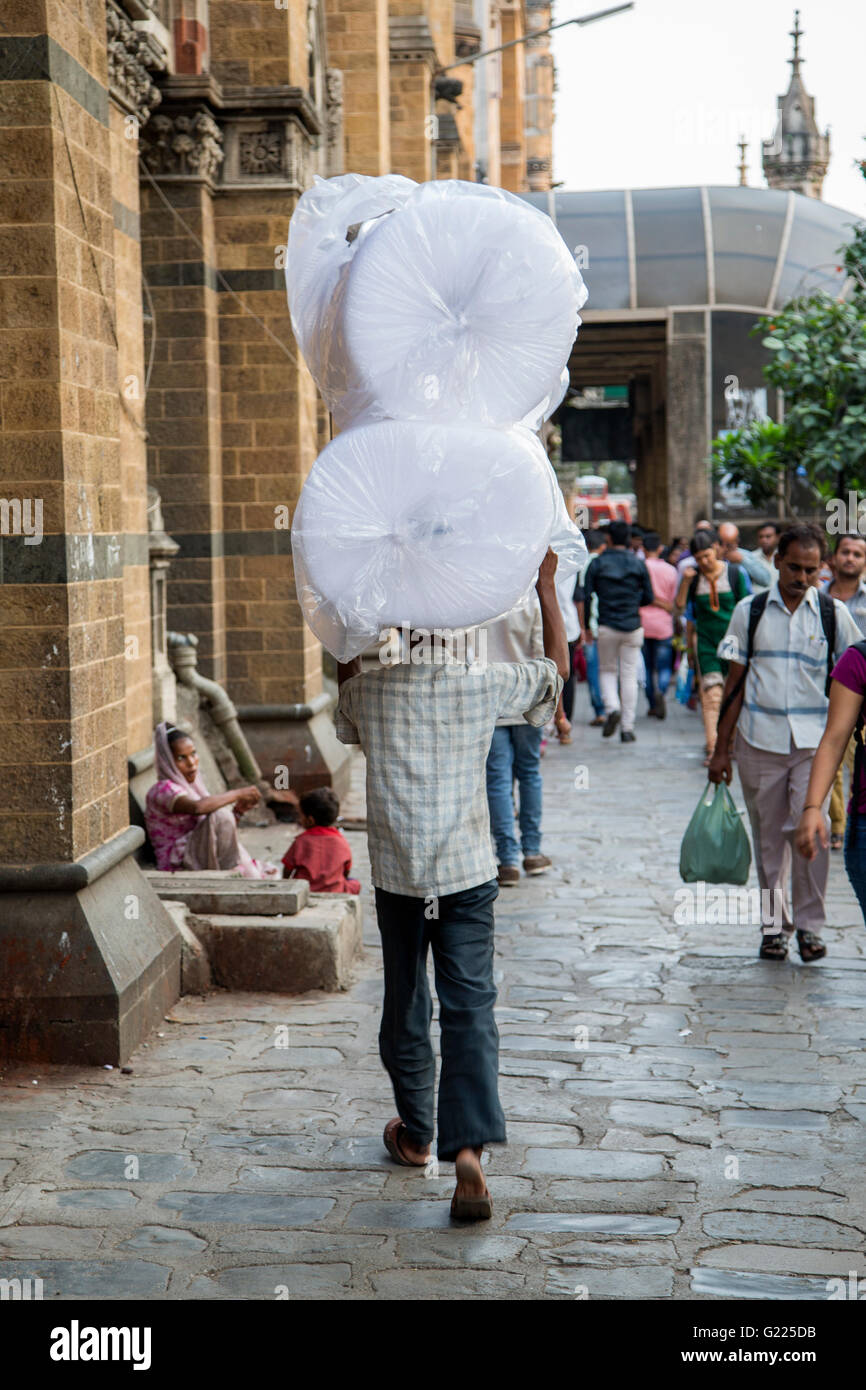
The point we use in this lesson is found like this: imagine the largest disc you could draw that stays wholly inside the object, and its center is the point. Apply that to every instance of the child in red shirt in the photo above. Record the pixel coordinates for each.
(321, 852)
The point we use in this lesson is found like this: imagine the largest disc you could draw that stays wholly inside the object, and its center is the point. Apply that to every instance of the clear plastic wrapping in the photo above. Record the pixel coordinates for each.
(436, 526)
(317, 266)
(566, 539)
(463, 305)
(452, 301)
(437, 321)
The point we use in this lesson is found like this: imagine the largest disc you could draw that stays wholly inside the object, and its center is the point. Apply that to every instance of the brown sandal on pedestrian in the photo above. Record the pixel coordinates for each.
(811, 947)
(470, 1208)
(393, 1133)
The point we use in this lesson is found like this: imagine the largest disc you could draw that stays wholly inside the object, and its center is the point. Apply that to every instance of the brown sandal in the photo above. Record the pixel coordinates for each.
(470, 1208)
(394, 1130)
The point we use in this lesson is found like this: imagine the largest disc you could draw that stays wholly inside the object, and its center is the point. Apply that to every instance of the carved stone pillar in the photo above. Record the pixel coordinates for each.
(183, 150)
(273, 140)
(89, 959)
(413, 123)
(162, 550)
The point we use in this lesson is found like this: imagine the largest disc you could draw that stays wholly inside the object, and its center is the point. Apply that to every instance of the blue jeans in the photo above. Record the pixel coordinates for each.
(461, 936)
(591, 653)
(515, 752)
(658, 655)
(855, 856)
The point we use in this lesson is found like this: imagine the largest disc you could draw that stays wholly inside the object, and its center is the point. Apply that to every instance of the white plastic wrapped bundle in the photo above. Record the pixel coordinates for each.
(462, 305)
(431, 525)
(317, 264)
(555, 396)
(566, 539)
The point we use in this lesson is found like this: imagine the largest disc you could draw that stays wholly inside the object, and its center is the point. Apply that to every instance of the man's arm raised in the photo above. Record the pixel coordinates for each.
(553, 626)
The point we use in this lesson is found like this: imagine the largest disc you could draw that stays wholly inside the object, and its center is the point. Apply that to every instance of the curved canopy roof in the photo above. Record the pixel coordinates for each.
(653, 247)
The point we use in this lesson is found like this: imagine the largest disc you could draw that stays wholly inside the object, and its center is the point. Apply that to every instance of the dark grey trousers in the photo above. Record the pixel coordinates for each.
(459, 929)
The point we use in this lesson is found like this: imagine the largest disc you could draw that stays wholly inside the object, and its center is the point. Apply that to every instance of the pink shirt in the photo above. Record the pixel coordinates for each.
(655, 621)
(168, 833)
(850, 671)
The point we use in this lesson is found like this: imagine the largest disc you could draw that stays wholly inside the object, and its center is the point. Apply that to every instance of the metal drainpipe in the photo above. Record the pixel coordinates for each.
(182, 652)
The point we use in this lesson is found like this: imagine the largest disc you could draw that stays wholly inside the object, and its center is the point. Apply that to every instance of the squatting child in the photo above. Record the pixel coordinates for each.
(321, 852)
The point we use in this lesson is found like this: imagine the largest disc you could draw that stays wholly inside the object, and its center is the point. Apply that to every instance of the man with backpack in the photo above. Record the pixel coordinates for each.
(781, 646)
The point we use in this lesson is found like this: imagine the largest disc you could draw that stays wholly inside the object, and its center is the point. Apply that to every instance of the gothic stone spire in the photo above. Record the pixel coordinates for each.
(798, 155)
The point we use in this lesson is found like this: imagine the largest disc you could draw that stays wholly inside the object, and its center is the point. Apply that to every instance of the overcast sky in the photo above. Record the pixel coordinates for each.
(658, 96)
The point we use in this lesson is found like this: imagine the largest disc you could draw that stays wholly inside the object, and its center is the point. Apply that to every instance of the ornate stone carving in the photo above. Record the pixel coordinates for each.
(538, 166)
(260, 151)
(410, 40)
(334, 152)
(466, 44)
(448, 88)
(268, 151)
(183, 145)
(132, 57)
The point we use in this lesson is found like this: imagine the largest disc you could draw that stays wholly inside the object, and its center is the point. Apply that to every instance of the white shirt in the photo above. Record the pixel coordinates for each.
(856, 604)
(784, 694)
(568, 608)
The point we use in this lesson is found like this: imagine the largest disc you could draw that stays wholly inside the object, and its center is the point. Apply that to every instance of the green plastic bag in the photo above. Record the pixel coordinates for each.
(715, 847)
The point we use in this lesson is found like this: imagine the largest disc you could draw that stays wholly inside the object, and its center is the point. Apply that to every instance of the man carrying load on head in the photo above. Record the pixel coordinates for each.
(426, 728)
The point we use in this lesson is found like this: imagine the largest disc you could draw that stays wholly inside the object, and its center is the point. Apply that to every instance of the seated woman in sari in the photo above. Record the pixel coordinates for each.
(188, 828)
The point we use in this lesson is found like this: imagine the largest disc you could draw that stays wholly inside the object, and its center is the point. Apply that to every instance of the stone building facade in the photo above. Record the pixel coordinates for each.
(151, 155)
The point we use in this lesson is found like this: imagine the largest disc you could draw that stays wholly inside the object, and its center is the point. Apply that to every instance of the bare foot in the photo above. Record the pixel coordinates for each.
(401, 1147)
(416, 1155)
(470, 1174)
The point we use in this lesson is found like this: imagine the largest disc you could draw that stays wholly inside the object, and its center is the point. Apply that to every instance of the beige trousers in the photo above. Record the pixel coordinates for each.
(617, 671)
(774, 786)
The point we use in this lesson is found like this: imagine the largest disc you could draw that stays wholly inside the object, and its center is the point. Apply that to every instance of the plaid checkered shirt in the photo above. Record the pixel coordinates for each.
(426, 731)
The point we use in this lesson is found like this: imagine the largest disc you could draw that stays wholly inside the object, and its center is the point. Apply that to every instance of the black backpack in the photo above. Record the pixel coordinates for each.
(827, 610)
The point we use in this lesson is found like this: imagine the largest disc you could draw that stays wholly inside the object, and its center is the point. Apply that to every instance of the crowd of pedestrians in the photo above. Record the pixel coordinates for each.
(454, 786)
(768, 643)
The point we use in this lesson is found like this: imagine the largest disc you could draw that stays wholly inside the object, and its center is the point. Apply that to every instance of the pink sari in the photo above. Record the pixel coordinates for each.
(184, 840)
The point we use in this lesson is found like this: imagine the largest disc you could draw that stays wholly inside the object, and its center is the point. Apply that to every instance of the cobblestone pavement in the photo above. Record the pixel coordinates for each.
(685, 1121)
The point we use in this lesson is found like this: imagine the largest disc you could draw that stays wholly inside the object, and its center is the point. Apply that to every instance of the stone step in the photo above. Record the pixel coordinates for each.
(216, 891)
(314, 949)
(195, 972)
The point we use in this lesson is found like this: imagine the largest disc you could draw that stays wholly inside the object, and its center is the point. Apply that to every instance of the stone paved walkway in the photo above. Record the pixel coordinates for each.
(685, 1121)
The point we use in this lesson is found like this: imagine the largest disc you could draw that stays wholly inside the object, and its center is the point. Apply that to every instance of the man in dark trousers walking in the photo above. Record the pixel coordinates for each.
(425, 725)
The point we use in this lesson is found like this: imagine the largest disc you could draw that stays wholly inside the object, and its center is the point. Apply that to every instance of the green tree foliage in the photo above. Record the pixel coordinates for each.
(753, 457)
(818, 347)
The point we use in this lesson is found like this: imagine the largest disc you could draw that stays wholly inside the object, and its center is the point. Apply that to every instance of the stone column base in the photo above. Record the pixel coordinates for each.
(89, 958)
(300, 738)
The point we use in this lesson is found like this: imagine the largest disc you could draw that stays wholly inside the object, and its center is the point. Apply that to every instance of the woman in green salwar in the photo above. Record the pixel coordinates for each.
(709, 595)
